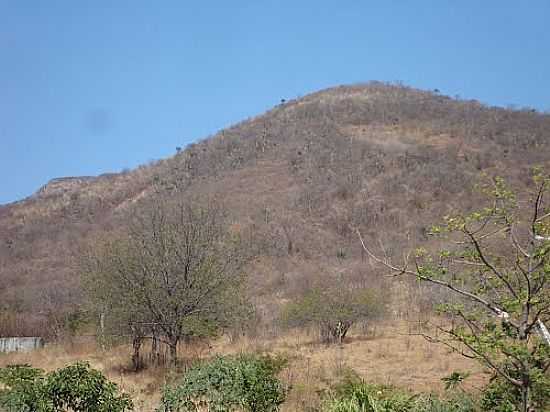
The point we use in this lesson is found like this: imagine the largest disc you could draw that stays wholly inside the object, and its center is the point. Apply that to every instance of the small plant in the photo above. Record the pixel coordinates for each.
(76, 388)
(454, 380)
(242, 383)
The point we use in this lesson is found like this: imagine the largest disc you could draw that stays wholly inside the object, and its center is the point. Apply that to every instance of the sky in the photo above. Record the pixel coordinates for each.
(90, 87)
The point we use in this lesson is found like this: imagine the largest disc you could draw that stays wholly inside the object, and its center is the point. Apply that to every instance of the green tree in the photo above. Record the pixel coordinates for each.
(498, 264)
(178, 268)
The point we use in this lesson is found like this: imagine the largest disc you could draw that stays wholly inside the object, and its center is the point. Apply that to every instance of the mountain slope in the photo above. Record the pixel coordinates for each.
(386, 158)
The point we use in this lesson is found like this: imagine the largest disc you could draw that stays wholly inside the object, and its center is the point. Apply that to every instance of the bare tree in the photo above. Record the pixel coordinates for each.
(178, 268)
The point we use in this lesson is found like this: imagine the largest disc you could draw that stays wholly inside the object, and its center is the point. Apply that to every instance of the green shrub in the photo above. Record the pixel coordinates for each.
(76, 388)
(354, 395)
(23, 389)
(245, 382)
(333, 310)
(79, 388)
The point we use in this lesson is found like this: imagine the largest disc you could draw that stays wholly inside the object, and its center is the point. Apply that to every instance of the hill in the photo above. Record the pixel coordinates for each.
(386, 158)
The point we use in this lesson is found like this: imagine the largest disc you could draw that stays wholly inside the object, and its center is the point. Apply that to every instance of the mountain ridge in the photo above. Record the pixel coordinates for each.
(339, 91)
(387, 158)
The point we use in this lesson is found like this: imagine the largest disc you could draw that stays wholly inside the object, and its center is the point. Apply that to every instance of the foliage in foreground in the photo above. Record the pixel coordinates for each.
(76, 388)
(498, 269)
(354, 395)
(242, 383)
(500, 396)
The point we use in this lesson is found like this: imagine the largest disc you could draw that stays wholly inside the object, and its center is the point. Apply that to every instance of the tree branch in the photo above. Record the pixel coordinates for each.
(400, 271)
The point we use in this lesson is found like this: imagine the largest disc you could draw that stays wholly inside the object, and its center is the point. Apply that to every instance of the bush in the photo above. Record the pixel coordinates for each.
(354, 395)
(23, 389)
(76, 388)
(245, 382)
(333, 310)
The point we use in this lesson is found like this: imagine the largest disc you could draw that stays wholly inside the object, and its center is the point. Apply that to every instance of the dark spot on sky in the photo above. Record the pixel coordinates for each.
(99, 121)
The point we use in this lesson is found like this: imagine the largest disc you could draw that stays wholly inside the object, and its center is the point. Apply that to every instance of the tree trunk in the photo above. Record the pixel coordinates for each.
(334, 333)
(155, 348)
(525, 407)
(136, 356)
(173, 344)
(102, 330)
(344, 330)
(543, 331)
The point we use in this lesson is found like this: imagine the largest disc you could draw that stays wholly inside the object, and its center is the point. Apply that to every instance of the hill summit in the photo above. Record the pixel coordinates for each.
(386, 158)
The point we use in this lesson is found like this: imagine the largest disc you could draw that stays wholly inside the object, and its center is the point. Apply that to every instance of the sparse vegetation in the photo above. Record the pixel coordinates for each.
(173, 275)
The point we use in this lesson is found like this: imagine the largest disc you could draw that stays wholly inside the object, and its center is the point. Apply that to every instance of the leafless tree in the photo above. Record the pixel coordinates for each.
(178, 267)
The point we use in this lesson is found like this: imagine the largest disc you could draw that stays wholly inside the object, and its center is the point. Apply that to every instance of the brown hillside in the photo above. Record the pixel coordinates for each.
(386, 158)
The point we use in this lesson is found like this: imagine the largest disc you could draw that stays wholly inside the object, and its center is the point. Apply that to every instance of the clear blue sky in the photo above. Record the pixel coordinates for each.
(88, 87)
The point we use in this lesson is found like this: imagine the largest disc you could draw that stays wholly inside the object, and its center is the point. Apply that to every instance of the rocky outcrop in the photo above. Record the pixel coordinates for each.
(63, 185)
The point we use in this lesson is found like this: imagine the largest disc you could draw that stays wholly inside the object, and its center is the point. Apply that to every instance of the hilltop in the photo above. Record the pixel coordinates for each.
(386, 158)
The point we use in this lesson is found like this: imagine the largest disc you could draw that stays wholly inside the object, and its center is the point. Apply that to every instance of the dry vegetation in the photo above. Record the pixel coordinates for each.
(386, 354)
(386, 159)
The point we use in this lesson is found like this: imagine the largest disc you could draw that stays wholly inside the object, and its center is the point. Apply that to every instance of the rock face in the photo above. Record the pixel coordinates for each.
(63, 185)
(20, 344)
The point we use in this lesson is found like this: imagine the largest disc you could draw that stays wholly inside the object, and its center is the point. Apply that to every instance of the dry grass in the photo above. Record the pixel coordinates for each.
(389, 356)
